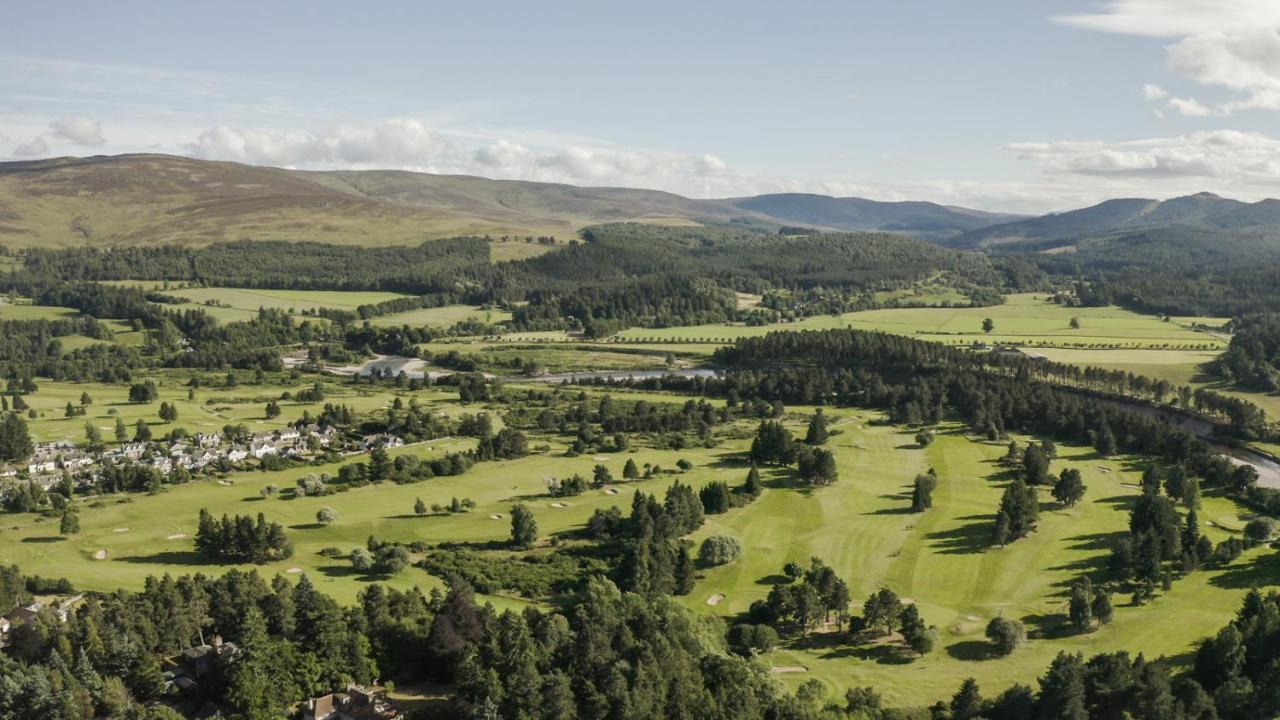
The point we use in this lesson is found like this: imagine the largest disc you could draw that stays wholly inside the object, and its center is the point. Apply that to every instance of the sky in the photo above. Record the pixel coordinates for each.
(1009, 105)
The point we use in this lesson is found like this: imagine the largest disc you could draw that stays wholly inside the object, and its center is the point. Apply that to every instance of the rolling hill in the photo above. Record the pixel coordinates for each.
(926, 220)
(162, 199)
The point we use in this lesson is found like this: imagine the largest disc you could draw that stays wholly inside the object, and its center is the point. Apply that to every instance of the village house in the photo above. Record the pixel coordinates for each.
(357, 703)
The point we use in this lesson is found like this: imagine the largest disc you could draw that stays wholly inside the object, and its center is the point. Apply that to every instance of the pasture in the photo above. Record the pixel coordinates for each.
(232, 304)
(442, 316)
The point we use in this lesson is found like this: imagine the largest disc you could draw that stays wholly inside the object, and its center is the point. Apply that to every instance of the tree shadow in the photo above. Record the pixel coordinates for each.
(972, 651)
(774, 579)
(171, 557)
(892, 511)
(1120, 501)
(969, 539)
(1262, 569)
(408, 516)
(253, 498)
(307, 526)
(44, 539)
(1049, 626)
(1096, 541)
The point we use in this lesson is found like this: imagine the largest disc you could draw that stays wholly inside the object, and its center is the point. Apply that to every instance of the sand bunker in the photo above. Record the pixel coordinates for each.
(558, 505)
(496, 516)
(100, 555)
(715, 599)
(790, 669)
(224, 482)
(1104, 469)
(611, 491)
(121, 530)
(176, 536)
(600, 458)
(294, 570)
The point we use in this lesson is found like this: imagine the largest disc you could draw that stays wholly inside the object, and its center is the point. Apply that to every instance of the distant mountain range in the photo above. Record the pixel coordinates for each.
(1062, 231)
(160, 199)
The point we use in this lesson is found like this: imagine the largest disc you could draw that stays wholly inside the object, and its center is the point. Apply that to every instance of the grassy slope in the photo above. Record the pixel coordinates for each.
(159, 199)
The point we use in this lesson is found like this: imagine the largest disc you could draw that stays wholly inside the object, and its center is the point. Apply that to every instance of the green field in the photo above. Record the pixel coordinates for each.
(26, 311)
(1025, 319)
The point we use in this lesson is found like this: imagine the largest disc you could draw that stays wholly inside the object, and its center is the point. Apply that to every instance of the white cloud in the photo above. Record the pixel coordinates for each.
(1233, 44)
(1190, 107)
(1151, 91)
(78, 129)
(37, 148)
(1231, 157)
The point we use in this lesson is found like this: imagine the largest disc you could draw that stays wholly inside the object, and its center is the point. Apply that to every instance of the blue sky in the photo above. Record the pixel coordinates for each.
(998, 104)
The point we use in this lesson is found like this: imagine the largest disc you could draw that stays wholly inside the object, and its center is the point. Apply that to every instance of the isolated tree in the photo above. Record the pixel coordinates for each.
(600, 476)
(719, 550)
(882, 611)
(753, 486)
(141, 431)
(168, 412)
(1075, 322)
(1102, 609)
(630, 471)
(379, 463)
(716, 497)
(326, 516)
(816, 466)
(93, 438)
(988, 325)
(122, 432)
(85, 399)
(918, 636)
(419, 507)
(1069, 488)
(1080, 607)
(922, 491)
(70, 524)
(1006, 635)
(272, 410)
(817, 433)
(524, 529)
(1018, 512)
(773, 444)
(361, 560)
(924, 438)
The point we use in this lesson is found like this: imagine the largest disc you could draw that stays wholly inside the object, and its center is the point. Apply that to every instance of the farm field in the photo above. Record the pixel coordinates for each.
(26, 311)
(1025, 319)
(243, 303)
(940, 559)
(442, 316)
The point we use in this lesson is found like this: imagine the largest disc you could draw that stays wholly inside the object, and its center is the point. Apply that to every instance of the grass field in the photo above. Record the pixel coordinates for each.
(1025, 319)
(940, 559)
(27, 311)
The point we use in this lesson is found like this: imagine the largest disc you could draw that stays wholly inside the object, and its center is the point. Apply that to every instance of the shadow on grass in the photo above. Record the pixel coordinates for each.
(972, 651)
(1260, 570)
(1096, 541)
(410, 516)
(1049, 626)
(1120, 501)
(44, 539)
(307, 526)
(252, 498)
(969, 539)
(170, 557)
(906, 510)
(774, 579)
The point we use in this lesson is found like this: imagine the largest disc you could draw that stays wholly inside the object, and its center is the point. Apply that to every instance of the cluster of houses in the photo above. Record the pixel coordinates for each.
(50, 460)
(28, 613)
